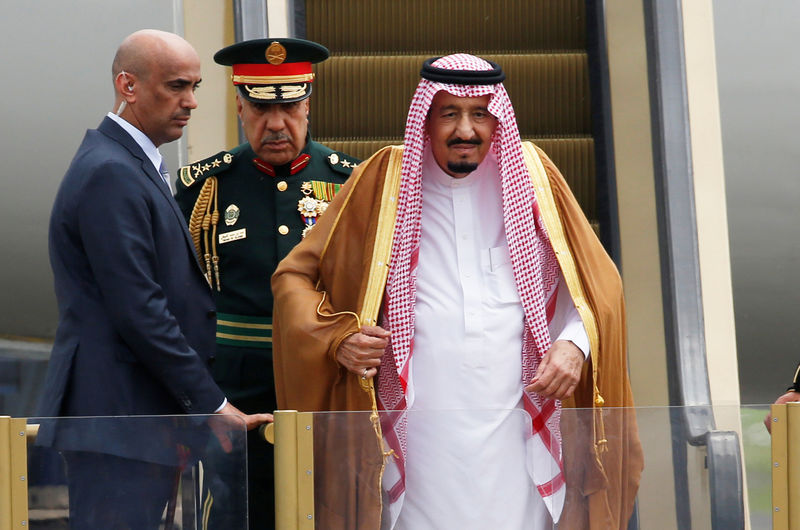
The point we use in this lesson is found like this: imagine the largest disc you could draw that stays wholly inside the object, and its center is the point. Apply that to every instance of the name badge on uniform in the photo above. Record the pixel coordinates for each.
(227, 237)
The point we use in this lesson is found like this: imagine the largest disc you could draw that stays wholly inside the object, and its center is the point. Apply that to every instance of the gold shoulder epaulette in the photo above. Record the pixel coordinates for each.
(212, 165)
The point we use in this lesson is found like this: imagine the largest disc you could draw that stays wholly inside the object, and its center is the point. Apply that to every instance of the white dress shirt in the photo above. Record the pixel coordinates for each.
(144, 142)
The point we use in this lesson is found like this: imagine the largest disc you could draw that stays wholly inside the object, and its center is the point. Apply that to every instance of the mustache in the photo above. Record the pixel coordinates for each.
(471, 141)
(275, 137)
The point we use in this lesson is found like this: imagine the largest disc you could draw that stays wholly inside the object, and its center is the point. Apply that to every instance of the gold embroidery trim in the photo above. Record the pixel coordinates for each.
(272, 79)
(293, 91)
(246, 325)
(352, 182)
(262, 92)
(338, 313)
(381, 251)
(378, 272)
(248, 338)
(558, 240)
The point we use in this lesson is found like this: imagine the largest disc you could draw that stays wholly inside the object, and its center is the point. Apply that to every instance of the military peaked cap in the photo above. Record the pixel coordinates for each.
(272, 70)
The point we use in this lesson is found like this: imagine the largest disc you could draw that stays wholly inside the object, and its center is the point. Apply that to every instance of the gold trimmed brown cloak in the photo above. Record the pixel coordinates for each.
(320, 289)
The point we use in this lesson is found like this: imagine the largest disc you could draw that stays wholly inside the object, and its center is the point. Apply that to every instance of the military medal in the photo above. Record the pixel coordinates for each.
(307, 206)
(316, 197)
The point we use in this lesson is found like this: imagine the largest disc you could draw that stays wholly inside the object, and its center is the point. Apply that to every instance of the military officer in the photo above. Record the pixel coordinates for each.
(246, 208)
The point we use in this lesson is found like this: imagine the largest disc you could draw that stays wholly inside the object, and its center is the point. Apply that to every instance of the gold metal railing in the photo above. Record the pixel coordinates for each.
(293, 432)
(293, 436)
(14, 435)
(785, 464)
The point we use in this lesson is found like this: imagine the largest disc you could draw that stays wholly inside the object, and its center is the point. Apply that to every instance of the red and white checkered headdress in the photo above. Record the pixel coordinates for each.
(535, 268)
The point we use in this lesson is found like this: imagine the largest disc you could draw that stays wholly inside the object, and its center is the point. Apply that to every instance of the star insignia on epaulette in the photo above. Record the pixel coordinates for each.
(191, 173)
(338, 161)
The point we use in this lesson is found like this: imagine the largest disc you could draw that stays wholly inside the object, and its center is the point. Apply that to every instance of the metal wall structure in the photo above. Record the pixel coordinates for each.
(683, 303)
(759, 83)
(58, 84)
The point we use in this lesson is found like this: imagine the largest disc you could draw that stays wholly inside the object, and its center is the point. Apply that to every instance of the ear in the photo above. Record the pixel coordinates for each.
(124, 85)
(307, 105)
(239, 106)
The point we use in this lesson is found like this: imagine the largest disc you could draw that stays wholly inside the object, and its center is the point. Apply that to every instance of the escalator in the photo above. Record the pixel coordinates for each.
(362, 93)
(553, 52)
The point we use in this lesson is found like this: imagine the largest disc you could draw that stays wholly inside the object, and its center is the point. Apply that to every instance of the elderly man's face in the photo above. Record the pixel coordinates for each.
(460, 130)
(276, 131)
(165, 96)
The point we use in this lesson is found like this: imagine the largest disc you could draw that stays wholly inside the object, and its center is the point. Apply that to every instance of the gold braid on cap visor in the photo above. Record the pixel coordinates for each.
(277, 92)
(293, 91)
(262, 92)
(271, 79)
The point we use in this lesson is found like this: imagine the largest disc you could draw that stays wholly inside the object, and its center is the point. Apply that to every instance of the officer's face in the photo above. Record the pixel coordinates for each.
(163, 99)
(461, 132)
(276, 131)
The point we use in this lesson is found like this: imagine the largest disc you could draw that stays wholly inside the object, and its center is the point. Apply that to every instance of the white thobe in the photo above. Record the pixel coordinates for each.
(467, 439)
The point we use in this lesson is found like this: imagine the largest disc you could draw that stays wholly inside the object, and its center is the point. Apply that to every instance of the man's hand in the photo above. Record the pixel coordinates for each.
(251, 421)
(361, 352)
(559, 371)
(223, 425)
(788, 397)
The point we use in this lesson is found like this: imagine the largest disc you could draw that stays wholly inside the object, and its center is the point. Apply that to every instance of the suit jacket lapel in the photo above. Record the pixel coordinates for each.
(119, 135)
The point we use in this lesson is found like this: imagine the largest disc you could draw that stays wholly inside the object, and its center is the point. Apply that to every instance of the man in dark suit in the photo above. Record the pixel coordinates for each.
(137, 320)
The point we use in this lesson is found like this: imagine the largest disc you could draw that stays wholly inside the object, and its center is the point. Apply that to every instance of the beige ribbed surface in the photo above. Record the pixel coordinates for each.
(574, 157)
(550, 94)
(361, 94)
(365, 27)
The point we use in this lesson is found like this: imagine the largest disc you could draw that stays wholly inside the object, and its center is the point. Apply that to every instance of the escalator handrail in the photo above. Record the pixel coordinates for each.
(683, 304)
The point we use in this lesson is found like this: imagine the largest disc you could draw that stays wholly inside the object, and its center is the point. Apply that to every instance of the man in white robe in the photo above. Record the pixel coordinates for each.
(465, 463)
(457, 281)
(467, 439)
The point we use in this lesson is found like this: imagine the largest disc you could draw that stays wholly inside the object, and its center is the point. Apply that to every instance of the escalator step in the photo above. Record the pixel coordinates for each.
(359, 27)
(369, 95)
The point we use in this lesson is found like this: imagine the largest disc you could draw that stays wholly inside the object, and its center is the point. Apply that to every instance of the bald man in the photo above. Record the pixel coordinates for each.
(137, 321)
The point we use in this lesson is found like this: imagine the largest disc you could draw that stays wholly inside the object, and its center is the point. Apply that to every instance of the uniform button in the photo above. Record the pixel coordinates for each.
(283, 230)
(282, 185)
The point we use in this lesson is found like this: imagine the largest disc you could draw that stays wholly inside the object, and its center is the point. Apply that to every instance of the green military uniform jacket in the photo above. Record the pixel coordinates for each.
(243, 216)
(257, 224)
